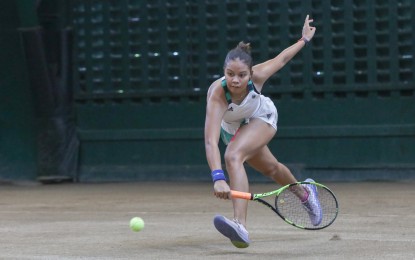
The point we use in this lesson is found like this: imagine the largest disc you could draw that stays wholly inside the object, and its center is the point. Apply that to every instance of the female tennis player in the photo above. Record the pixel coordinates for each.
(246, 121)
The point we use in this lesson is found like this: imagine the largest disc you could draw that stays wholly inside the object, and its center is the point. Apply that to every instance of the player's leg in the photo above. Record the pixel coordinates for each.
(266, 163)
(245, 144)
(250, 139)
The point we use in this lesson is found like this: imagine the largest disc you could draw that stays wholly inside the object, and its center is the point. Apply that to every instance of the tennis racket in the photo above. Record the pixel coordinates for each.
(317, 212)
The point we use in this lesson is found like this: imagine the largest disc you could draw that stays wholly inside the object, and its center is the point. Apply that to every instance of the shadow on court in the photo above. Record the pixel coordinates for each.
(90, 221)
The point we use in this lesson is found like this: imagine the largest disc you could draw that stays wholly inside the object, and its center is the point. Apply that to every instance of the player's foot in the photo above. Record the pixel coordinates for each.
(312, 204)
(233, 230)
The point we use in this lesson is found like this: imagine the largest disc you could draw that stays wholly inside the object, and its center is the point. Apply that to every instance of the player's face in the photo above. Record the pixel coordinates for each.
(237, 75)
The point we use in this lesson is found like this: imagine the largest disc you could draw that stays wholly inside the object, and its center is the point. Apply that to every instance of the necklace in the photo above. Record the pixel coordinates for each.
(239, 98)
(242, 96)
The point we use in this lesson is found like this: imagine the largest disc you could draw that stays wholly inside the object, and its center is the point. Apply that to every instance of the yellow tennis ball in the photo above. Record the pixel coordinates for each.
(136, 224)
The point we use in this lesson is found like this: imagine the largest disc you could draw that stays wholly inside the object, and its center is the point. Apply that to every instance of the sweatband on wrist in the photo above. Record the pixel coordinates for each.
(304, 39)
(218, 175)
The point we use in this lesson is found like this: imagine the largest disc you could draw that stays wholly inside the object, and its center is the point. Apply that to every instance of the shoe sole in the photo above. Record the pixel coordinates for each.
(224, 228)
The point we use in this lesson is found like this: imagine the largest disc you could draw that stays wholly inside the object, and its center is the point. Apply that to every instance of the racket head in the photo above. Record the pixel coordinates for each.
(290, 208)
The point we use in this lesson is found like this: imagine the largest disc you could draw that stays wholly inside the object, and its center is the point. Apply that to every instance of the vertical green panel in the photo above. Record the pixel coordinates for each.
(263, 30)
(86, 70)
(143, 42)
(411, 31)
(223, 47)
(202, 44)
(334, 17)
(125, 84)
(163, 41)
(242, 20)
(284, 40)
(348, 43)
(17, 122)
(393, 39)
(104, 78)
(371, 41)
(306, 72)
(183, 46)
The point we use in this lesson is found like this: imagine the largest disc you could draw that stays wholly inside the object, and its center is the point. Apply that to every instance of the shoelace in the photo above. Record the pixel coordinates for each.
(240, 226)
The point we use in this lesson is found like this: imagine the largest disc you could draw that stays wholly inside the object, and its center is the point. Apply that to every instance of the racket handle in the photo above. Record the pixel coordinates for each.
(241, 195)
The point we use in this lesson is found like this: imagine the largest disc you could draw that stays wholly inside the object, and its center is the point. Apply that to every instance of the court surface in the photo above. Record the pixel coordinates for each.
(91, 221)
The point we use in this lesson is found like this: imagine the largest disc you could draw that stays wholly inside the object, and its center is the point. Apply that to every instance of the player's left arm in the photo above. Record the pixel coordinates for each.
(263, 71)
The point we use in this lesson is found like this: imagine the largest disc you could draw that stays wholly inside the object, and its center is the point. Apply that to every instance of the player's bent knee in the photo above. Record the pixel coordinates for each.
(232, 158)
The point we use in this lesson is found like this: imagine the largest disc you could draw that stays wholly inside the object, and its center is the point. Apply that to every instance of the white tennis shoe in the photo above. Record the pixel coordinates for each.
(233, 230)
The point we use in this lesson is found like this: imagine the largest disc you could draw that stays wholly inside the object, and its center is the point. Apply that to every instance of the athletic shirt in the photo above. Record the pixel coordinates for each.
(237, 115)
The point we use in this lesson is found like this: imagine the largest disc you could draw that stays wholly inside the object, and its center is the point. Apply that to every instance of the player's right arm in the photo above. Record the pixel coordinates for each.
(215, 109)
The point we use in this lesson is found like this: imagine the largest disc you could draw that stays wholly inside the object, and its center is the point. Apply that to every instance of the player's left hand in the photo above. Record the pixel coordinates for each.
(308, 31)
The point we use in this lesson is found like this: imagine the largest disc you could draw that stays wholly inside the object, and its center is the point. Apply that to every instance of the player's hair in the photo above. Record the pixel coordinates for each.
(241, 51)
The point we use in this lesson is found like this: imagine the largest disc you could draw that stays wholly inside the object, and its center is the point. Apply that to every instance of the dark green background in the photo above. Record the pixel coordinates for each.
(141, 70)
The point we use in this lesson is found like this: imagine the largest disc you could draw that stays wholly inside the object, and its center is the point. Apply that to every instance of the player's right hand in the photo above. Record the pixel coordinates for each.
(222, 190)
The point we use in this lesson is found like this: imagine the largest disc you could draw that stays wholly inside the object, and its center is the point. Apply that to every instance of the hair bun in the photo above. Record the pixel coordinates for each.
(246, 47)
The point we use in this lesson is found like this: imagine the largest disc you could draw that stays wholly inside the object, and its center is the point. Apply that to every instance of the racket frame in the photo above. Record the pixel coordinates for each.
(258, 198)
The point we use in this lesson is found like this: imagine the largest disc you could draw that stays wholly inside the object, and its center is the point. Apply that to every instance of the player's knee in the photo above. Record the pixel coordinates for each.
(232, 158)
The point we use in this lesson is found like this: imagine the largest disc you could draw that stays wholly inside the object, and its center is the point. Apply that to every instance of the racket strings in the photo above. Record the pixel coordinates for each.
(290, 207)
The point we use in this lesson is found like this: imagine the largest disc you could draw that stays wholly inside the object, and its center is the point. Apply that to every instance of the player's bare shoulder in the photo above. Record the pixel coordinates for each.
(216, 93)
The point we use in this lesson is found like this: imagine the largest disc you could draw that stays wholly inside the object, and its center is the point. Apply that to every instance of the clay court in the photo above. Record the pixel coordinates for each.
(90, 221)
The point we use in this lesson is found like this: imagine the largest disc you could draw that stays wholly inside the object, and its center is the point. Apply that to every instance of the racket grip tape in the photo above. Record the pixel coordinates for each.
(241, 195)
